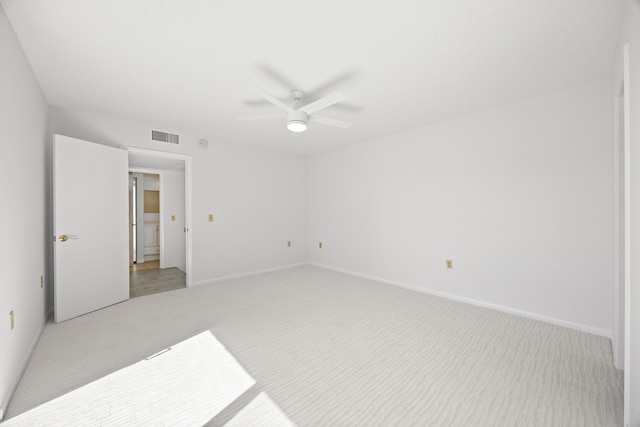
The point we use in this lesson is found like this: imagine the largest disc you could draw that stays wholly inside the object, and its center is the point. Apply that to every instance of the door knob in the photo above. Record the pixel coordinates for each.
(65, 237)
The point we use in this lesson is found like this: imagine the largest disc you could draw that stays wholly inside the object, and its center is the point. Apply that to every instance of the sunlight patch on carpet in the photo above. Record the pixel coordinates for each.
(186, 384)
(262, 411)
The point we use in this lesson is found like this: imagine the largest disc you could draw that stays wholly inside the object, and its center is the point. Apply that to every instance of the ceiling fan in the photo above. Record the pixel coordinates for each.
(297, 115)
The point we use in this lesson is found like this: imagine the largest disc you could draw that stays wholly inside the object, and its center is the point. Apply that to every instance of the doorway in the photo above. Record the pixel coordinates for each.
(159, 200)
(144, 224)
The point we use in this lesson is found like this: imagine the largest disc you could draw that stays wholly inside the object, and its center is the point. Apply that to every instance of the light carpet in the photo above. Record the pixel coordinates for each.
(178, 386)
(329, 349)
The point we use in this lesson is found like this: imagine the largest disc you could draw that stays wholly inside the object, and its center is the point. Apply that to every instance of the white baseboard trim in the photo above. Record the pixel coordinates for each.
(251, 273)
(577, 326)
(23, 366)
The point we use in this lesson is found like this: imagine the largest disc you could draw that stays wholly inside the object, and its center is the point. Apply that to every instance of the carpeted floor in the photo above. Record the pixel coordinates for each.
(328, 349)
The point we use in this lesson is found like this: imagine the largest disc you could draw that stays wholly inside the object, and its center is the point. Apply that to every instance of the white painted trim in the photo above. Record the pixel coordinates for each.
(23, 366)
(139, 176)
(627, 238)
(621, 150)
(617, 342)
(252, 273)
(188, 199)
(546, 319)
(161, 199)
(188, 186)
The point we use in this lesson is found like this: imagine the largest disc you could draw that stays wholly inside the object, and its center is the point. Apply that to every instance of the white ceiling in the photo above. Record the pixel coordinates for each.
(185, 65)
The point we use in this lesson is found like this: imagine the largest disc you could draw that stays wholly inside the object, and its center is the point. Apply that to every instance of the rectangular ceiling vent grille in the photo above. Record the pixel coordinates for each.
(171, 138)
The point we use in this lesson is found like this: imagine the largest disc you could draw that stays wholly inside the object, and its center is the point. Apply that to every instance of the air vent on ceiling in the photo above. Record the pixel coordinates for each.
(158, 135)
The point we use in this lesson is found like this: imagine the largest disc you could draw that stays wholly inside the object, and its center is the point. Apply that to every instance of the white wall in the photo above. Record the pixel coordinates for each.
(151, 182)
(24, 223)
(173, 204)
(258, 197)
(631, 34)
(519, 197)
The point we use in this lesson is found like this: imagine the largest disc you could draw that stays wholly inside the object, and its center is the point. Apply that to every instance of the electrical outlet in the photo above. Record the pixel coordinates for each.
(42, 281)
(289, 244)
(450, 264)
(320, 245)
(210, 217)
(11, 319)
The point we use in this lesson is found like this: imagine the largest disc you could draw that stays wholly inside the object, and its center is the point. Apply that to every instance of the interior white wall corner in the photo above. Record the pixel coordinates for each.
(24, 217)
(519, 197)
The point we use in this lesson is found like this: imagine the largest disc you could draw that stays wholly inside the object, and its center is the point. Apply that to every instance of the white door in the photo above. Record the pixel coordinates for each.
(90, 224)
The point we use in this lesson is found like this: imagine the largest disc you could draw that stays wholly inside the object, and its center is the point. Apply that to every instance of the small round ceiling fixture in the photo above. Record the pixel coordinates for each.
(203, 143)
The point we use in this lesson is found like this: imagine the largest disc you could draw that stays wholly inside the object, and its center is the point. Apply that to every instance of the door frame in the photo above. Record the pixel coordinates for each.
(187, 202)
(132, 195)
(622, 215)
(138, 252)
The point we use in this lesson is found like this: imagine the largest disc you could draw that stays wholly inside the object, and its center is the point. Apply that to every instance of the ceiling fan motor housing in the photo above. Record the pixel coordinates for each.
(296, 94)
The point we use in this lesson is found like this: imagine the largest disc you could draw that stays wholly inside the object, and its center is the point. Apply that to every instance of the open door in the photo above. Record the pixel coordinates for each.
(90, 223)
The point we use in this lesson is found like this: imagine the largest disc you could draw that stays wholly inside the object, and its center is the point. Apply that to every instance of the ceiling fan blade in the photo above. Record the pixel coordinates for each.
(330, 121)
(272, 99)
(262, 117)
(345, 106)
(323, 102)
(337, 81)
(277, 76)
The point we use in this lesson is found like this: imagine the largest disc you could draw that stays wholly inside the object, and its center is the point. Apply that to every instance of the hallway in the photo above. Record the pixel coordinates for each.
(148, 278)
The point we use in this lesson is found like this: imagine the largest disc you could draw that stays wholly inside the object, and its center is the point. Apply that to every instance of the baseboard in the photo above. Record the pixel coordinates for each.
(25, 362)
(577, 326)
(251, 273)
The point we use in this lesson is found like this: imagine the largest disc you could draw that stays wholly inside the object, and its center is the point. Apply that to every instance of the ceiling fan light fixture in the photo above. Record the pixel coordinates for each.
(296, 125)
(298, 117)
(297, 121)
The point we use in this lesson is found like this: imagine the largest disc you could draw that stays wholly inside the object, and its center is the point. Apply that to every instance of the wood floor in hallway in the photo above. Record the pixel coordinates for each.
(148, 265)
